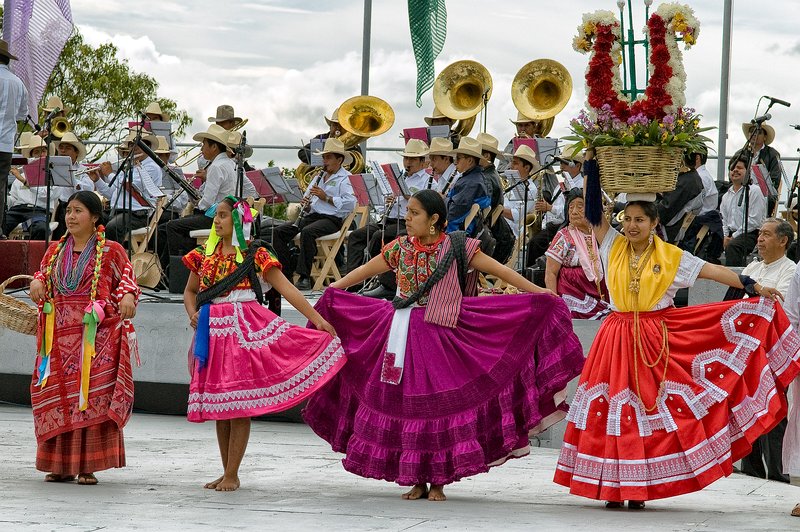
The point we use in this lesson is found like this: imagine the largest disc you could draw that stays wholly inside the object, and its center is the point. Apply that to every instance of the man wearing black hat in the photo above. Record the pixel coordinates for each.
(14, 109)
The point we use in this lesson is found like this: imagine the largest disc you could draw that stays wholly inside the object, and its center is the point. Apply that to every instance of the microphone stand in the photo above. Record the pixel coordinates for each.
(747, 151)
(48, 172)
(240, 165)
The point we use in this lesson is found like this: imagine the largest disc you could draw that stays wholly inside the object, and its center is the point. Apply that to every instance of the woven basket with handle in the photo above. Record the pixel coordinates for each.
(14, 313)
(638, 168)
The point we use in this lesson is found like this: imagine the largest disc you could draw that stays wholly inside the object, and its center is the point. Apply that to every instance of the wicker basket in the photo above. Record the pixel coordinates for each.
(638, 168)
(15, 314)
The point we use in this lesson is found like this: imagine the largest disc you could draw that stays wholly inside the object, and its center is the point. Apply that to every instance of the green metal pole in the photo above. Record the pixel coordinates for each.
(624, 60)
(632, 54)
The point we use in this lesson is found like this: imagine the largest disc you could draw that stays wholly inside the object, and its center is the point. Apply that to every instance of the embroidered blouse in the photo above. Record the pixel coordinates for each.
(216, 266)
(413, 261)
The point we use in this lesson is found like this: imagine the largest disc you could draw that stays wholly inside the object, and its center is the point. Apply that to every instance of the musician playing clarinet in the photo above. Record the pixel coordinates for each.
(394, 223)
(329, 199)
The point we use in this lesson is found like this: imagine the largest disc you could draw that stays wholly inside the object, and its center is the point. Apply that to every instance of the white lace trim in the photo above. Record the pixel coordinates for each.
(236, 324)
(585, 306)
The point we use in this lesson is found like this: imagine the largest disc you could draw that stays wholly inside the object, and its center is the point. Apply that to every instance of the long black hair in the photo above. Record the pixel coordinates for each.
(432, 203)
(649, 208)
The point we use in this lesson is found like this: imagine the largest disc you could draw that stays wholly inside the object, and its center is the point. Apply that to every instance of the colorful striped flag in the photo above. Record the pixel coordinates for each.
(428, 22)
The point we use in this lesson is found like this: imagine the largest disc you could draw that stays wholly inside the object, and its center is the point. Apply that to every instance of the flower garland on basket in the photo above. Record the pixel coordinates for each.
(60, 269)
(639, 145)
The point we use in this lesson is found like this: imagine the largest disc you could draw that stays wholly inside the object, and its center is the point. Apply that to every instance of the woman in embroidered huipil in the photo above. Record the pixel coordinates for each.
(439, 386)
(670, 398)
(82, 388)
(246, 361)
(574, 270)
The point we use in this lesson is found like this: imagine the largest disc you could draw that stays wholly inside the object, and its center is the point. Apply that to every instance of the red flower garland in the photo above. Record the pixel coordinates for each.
(656, 98)
(599, 76)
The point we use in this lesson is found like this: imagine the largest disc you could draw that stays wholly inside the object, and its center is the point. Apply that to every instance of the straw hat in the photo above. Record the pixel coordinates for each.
(469, 146)
(215, 132)
(747, 128)
(153, 108)
(70, 138)
(147, 136)
(525, 153)
(224, 112)
(234, 138)
(52, 103)
(163, 145)
(522, 119)
(434, 115)
(24, 140)
(4, 50)
(35, 142)
(441, 146)
(489, 143)
(334, 118)
(415, 148)
(335, 146)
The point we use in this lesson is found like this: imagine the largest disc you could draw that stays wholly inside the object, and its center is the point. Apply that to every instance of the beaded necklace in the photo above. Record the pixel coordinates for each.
(69, 274)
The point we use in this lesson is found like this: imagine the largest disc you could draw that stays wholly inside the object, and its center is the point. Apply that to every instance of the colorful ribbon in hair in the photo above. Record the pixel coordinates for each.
(242, 215)
(93, 315)
(46, 347)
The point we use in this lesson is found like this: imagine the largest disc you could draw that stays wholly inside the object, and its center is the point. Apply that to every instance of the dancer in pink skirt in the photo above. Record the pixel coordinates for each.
(247, 361)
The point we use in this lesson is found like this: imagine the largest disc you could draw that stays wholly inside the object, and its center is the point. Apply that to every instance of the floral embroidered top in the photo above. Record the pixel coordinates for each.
(413, 261)
(216, 266)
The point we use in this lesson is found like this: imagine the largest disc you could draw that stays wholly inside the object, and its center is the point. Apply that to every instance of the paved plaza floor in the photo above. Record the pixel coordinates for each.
(291, 480)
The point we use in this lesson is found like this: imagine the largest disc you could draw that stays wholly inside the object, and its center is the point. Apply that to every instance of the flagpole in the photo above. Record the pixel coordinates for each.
(365, 50)
(724, 90)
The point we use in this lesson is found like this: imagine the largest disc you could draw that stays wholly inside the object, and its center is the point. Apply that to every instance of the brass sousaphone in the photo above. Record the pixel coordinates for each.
(540, 90)
(460, 91)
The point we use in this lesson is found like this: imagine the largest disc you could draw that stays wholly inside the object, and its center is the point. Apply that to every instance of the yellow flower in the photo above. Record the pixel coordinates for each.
(688, 38)
(680, 122)
(695, 123)
(589, 28)
(663, 136)
(619, 58)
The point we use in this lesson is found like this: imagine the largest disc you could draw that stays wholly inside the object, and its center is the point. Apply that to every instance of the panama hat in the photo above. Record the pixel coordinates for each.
(234, 138)
(153, 108)
(147, 137)
(162, 145)
(4, 50)
(24, 140)
(415, 148)
(522, 119)
(488, 143)
(436, 114)
(469, 146)
(225, 112)
(35, 142)
(334, 118)
(214, 132)
(747, 128)
(525, 153)
(70, 138)
(441, 146)
(336, 146)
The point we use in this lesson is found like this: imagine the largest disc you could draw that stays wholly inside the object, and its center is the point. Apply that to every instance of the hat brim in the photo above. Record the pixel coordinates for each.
(348, 157)
(79, 146)
(411, 154)
(492, 150)
(26, 151)
(206, 135)
(517, 122)
(217, 120)
(331, 121)
(770, 131)
(468, 152)
(9, 55)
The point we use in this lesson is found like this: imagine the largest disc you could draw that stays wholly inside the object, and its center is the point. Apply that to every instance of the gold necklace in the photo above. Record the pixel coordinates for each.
(636, 266)
(589, 240)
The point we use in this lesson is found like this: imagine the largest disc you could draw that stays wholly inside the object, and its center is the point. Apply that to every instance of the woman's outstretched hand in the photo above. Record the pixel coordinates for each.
(771, 293)
(323, 325)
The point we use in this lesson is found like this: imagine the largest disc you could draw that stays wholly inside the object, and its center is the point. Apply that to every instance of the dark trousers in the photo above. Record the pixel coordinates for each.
(124, 221)
(5, 169)
(370, 237)
(60, 218)
(311, 227)
(767, 448)
(179, 243)
(20, 214)
(739, 247)
(539, 242)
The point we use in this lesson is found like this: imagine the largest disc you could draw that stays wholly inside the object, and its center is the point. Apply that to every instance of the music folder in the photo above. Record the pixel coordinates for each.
(60, 172)
(360, 189)
(518, 192)
(285, 188)
(316, 145)
(134, 126)
(261, 184)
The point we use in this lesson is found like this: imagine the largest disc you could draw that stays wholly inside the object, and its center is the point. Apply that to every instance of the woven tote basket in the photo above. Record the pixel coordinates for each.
(638, 168)
(14, 313)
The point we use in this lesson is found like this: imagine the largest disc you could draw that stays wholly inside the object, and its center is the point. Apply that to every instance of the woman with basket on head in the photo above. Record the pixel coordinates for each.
(670, 398)
(246, 361)
(439, 387)
(82, 388)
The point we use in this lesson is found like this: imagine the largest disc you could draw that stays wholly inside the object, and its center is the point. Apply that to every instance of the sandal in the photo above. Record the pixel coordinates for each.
(87, 479)
(613, 505)
(55, 477)
(796, 511)
(635, 505)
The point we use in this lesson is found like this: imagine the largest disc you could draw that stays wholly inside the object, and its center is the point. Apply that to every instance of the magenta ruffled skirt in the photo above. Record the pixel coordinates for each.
(469, 397)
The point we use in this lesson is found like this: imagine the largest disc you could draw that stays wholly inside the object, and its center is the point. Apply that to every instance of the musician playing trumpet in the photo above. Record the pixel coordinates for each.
(394, 224)
(328, 201)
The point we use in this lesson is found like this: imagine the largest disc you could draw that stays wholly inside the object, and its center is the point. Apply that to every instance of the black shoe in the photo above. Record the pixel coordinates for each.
(304, 283)
(379, 293)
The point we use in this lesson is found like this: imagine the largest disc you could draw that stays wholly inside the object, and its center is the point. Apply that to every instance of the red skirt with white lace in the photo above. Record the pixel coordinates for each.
(727, 370)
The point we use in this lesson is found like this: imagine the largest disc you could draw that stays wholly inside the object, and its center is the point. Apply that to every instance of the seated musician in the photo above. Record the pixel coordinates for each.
(129, 209)
(526, 128)
(53, 102)
(170, 188)
(331, 200)
(550, 206)
(373, 236)
(226, 119)
(573, 269)
(248, 188)
(687, 197)
(438, 119)
(219, 180)
(523, 161)
(26, 205)
(469, 188)
(442, 162)
(154, 113)
(504, 238)
(70, 146)
(335, 130)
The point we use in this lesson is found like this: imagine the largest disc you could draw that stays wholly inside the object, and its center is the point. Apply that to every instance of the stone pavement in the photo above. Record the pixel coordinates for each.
(292, 481)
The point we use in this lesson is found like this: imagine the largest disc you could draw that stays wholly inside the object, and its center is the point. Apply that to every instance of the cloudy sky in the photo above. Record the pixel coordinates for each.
(284, 64)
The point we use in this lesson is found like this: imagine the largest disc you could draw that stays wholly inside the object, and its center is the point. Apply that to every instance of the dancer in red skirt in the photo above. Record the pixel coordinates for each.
(670, 398)
(247, 361)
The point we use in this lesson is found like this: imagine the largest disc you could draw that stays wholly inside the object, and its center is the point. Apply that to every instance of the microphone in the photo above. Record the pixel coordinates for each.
(795, 126)
(776, 100)
(53, 113)
(760, 119)
(568, 162)
(36, 126)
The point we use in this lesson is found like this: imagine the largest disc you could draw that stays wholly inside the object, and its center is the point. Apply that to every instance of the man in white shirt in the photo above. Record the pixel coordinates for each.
(442, 162)
(709, 215)
(70, 146)
(26, 205)
(13, 109)
(775, 270)
(738, 243)
(523, 161)
(331, 201)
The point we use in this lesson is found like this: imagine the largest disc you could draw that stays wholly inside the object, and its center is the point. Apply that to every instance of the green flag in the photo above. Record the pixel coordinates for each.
(428, 22)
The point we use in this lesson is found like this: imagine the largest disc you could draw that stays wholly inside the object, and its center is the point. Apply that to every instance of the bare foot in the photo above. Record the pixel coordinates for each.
(796, 511)
(87, 479)
(55, 477)
(417, 492)
(436, 493)
(213, 484)
(228, 484)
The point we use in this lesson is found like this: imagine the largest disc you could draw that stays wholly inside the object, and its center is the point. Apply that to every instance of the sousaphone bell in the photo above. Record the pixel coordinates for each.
(541, 90)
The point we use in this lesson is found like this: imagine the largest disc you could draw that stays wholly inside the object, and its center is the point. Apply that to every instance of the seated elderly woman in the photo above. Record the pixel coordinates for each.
(573, 269)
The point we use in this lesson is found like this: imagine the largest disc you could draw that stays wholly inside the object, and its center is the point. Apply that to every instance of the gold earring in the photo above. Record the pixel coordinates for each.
(432, 230)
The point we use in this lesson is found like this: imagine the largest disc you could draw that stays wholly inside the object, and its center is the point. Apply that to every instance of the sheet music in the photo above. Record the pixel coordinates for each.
(373, 189)
(546, 149)
(381, 179)
(316, 145)
(438, 131)
(518, 192)
(150, 188)
(60, 171)
(286, 188)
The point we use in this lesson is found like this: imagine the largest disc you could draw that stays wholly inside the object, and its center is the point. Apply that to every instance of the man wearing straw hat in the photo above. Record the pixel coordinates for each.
(442, 159)
(763, 153)
(500, 230)
(524, 162)
(417, 178)
(469, 188)
(331, 200)
(70, 146)
(14, 109)
(26, 205)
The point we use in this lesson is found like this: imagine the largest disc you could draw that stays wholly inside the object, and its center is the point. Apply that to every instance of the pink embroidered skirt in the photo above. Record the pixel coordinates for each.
(258, 363)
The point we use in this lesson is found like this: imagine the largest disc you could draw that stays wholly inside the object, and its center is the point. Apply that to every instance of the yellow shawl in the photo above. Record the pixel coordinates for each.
(657, 276)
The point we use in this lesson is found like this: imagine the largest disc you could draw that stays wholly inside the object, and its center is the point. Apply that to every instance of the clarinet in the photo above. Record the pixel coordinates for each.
(306, 201)
(449, 183)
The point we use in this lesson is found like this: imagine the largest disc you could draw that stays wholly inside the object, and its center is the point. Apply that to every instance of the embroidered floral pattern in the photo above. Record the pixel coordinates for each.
(414, 262)
(218, 266)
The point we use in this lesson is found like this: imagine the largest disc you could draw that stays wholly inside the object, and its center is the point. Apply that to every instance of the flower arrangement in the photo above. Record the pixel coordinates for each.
(659, 116)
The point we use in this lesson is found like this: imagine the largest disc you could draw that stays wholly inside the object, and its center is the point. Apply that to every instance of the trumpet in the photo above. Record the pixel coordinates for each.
(59, 127)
